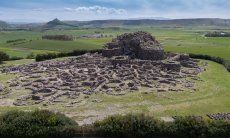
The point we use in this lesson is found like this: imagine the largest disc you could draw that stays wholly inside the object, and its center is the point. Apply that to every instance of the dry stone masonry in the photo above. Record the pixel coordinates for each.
(219, 116)
(1, 87)
(131, 62)
(139, 45)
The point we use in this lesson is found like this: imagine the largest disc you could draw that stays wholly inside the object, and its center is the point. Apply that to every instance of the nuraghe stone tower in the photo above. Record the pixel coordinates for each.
(140, 45)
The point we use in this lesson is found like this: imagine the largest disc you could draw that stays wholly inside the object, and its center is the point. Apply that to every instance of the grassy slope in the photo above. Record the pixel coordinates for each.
(212, 97)
(199, 45)
(64, 46)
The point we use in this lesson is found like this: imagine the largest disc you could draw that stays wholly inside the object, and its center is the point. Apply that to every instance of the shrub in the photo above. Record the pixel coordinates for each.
(31, 56)
(219, 128)
(145, 126)
(193, 126)
(48, 56)
(58, 37)
(190, 126)
(3, 57)
(129, 126)
(31, 124)
(43, 123)
(227, 64)
(42, 57)
(219, 60)
(15, 58)
(217, 34)
(16, 40)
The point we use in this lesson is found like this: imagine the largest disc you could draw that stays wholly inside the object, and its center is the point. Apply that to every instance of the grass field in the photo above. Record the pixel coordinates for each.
(212, 96)
(184, 40)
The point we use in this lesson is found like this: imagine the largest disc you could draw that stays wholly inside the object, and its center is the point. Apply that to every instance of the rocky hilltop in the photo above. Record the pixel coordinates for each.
(130, 63)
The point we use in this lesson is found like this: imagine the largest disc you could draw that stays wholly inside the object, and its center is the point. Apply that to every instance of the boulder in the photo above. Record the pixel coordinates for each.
(188, 63)
(89, 84)
(219, 116)
(131, 84)
(36, 97)
(184, 57)
(45, 90)
(1, 87)
(20, 103)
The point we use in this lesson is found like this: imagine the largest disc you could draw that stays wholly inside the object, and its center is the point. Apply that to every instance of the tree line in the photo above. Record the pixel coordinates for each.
(59, 37)
(217, 34)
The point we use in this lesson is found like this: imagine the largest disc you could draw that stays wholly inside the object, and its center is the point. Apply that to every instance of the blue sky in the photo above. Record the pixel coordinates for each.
(45, 10)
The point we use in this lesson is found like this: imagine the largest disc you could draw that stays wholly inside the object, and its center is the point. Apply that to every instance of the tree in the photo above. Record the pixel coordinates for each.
(3, 57)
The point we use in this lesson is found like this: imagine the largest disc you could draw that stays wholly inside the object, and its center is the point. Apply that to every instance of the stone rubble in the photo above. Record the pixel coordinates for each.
(1, 87)
(219, 116)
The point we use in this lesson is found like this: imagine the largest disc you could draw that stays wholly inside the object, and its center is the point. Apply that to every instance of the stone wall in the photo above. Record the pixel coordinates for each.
(120, 60)
(148, 54)
(112, 52)
(138, 45)
(112, 45)
(173, 66)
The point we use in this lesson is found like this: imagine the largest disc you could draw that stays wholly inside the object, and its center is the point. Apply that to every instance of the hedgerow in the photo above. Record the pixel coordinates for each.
(48, 56)
(43, 123)
(3, 57)
(33, 124)
(219, 60)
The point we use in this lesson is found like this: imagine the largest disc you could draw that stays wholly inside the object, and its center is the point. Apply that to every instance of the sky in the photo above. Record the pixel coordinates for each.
(46, 10)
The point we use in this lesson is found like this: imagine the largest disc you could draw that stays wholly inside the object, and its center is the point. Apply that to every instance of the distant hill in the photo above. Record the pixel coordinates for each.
(56, 23)
(3, 24)
(152, 22)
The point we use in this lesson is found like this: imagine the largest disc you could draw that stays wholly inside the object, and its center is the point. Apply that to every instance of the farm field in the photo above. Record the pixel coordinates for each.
(183, 40)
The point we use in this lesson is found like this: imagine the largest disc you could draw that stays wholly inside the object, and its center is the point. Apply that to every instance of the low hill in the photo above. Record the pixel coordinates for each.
(56, 23)
(3, 24)
(152, 22)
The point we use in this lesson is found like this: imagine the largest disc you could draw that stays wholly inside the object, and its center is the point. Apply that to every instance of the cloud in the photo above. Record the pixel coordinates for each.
(38, 9)
(97, 10)
(45, 10)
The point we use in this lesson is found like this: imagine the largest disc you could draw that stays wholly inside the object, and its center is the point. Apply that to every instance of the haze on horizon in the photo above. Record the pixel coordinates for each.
(45, 10)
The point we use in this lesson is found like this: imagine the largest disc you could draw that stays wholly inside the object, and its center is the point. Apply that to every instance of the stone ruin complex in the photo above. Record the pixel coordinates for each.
(131, 62)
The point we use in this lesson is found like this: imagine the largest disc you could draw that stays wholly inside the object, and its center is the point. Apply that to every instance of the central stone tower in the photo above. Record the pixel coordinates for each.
(140, 45)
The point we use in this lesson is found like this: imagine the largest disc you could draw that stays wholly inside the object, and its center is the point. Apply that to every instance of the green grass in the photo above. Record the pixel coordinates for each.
(183, 40)
(63, 46)
(218, 47)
